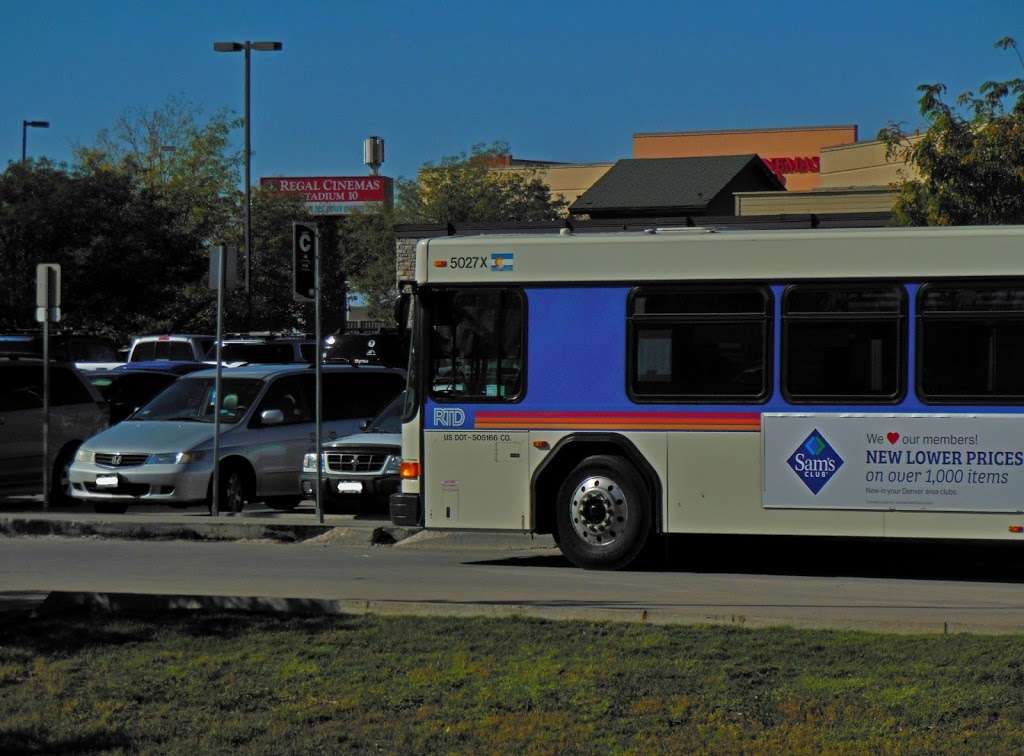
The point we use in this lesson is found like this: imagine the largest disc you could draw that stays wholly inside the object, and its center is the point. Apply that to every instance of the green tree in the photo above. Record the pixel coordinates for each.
(186, 160)
(122, 250)
(468, 189)
(970, 160)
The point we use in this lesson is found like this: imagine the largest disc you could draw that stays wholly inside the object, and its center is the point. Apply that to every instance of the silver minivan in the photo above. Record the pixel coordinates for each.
(163, 452)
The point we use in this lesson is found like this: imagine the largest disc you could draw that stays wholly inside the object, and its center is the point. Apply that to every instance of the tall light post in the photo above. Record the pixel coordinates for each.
(25, 126)
(247, 47)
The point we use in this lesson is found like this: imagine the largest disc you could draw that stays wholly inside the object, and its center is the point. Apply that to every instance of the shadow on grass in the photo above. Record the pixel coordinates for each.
(817, 557)
(28, 742)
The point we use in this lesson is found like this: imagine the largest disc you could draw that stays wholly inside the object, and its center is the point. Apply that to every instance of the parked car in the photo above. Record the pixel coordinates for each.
(129, 387)
(76, 413)
(85, 351)
(365, 464)
(265, 349)
(179, 347)
(163, 454)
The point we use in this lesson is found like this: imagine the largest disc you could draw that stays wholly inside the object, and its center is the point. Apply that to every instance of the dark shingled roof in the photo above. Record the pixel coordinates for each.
(669, 183)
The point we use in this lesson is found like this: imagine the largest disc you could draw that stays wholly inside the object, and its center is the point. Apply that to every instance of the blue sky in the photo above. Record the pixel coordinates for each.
(556, 81)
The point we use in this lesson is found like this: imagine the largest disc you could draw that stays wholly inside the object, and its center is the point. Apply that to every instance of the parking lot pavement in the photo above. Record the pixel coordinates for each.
(354, 513)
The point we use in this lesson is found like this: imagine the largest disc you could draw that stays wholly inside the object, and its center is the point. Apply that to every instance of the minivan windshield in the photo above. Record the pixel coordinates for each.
(390, 418)
(192, 399)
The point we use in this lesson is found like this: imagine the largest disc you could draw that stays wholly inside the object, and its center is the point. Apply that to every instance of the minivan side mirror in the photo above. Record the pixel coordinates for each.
(272, 417)
(364, 425)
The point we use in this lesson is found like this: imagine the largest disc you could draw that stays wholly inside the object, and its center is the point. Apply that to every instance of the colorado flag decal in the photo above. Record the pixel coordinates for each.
(503, 261)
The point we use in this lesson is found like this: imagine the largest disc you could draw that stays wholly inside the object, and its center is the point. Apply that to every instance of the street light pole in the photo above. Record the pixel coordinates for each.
(25, 125)
(247, 47)
(248, 190)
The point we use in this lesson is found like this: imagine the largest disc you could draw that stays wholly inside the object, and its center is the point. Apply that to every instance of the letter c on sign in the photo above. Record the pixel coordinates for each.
(305, 243)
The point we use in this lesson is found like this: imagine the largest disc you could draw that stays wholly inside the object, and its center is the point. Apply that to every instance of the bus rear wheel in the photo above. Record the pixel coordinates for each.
(603, 514)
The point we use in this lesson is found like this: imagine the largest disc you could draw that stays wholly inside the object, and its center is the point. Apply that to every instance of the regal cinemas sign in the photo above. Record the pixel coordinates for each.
(335, 195)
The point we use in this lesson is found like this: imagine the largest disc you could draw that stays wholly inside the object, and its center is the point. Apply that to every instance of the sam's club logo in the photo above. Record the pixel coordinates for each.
(503, 262)
(815, 461)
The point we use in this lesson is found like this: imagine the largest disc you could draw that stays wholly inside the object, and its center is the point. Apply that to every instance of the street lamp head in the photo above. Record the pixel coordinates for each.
(267, 46)
(38, 124)
(228, 46)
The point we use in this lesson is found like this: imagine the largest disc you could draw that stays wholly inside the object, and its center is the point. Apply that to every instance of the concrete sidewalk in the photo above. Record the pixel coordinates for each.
(257, 525)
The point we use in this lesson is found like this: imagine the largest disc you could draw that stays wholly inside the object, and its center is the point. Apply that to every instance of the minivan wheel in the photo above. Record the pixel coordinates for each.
(603, 513)
(232, 490)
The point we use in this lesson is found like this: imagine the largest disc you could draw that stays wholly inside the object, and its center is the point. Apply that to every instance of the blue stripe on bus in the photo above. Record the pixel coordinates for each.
(576, 361)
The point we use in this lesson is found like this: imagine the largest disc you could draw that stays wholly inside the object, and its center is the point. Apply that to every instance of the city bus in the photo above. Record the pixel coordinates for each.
(612, 388)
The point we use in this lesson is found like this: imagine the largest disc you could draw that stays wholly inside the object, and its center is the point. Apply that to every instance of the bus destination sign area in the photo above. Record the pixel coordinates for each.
(334, 195)
(953, 463)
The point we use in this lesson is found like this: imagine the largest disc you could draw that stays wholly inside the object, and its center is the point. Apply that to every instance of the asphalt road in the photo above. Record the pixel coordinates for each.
(821, 586)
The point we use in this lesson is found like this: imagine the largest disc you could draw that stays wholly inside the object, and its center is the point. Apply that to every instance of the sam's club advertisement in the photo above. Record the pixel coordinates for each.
(960, 463)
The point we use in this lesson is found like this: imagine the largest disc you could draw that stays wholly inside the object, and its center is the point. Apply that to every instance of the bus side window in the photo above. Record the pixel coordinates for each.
(700, 343)
(476, 344)
(971, 342)
(844, 343)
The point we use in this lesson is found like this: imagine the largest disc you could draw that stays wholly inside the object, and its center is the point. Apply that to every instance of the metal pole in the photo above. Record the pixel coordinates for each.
(46, 402)
(221, 274)
(318, 369)
(24, 138)
(248, 193)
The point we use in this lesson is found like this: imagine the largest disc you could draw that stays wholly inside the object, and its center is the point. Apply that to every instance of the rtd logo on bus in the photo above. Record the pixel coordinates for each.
(449, 417)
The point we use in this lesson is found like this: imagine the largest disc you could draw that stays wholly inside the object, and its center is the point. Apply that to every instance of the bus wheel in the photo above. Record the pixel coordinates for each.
(604, 515)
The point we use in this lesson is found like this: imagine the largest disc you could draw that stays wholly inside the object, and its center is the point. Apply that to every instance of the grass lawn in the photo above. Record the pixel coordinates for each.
(203, 682)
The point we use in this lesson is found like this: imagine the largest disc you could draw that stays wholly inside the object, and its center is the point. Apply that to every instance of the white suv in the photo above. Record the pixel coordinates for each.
(184, 347)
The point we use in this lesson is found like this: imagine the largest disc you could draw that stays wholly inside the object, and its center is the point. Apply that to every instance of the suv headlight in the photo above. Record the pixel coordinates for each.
(309, 463)
(175, 458)
(392, 465)
(83, 455)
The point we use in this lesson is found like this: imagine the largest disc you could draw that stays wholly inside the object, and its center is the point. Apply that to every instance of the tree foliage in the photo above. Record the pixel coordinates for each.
(467, 189)
(122, 251)
(970, 160)
(188, 161)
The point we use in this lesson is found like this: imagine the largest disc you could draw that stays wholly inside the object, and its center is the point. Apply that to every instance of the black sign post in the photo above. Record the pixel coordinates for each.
(47, 311)
(305, 288)
(304, 248)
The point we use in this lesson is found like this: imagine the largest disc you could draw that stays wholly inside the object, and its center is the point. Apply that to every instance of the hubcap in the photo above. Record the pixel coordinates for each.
(598, 510)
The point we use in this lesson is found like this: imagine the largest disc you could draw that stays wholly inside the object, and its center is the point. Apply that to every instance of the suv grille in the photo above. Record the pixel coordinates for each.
(357, 462)
(120, 460)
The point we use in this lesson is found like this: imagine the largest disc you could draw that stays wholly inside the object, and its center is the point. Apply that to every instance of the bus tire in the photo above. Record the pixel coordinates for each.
(603, 513)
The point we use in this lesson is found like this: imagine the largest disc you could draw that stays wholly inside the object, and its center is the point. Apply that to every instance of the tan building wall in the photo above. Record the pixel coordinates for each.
(873, 199)
(569, 180)
(798, 144)
(862, 164)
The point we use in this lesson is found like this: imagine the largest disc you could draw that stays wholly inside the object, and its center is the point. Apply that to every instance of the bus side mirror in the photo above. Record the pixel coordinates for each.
(402, 310)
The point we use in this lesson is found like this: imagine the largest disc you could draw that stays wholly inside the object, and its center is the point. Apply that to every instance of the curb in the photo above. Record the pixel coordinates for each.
(62, 601)
(221, 531)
